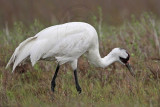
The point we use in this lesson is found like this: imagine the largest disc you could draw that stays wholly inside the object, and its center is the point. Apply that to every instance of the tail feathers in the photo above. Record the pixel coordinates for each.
(10, 61)
(20, 57)
(21, 52)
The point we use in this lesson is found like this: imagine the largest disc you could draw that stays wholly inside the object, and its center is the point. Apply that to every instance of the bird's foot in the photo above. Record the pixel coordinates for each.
(79, 89)
(53, 84)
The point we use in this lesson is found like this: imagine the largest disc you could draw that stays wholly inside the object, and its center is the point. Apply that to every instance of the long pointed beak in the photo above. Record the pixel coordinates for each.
(130, 69)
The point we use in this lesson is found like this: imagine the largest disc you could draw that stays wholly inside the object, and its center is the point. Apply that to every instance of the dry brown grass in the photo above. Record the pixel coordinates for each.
(113, 86)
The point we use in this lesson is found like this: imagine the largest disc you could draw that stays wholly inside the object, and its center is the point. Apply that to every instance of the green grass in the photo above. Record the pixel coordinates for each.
(113, 86)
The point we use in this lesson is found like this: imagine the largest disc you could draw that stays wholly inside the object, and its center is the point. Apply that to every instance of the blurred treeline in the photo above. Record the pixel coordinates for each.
(60, 11)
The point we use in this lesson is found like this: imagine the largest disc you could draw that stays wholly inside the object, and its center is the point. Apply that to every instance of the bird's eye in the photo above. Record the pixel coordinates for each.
(124, 60)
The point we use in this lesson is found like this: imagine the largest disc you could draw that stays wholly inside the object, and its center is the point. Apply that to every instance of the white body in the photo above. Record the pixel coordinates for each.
(65, 43)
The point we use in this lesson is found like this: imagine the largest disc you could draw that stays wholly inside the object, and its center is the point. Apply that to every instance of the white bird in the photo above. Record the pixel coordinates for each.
(66, 43)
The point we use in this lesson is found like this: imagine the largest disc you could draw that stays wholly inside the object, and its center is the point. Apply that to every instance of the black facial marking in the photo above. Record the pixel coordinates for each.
(124, 60)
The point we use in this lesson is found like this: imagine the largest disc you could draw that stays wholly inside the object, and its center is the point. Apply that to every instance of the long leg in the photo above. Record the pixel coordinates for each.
(53, 83)
(76, 81)
(74, 67)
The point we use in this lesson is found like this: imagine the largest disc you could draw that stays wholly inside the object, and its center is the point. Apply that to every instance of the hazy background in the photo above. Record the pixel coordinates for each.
(60, 11)
(130, 24)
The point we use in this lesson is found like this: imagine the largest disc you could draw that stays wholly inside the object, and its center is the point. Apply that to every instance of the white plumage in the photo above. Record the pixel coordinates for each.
(65, 43)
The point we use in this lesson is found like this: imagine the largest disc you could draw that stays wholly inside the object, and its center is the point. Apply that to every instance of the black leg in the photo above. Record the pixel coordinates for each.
(76, 81)
(53, 83)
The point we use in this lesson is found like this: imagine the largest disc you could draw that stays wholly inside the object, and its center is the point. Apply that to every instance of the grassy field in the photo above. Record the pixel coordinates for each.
(113, 86)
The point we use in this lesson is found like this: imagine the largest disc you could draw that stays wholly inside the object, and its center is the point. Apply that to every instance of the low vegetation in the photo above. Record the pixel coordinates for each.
(113, 86)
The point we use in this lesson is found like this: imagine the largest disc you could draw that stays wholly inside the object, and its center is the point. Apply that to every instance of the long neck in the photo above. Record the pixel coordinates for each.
(95, 58)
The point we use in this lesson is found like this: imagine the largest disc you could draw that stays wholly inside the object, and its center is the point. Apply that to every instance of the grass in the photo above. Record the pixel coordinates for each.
(113, 86)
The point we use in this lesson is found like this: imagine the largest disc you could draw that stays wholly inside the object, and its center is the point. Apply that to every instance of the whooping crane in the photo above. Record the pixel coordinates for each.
(66, 43)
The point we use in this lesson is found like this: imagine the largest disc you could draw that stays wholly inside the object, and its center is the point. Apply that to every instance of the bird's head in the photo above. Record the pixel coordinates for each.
(123, 56)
